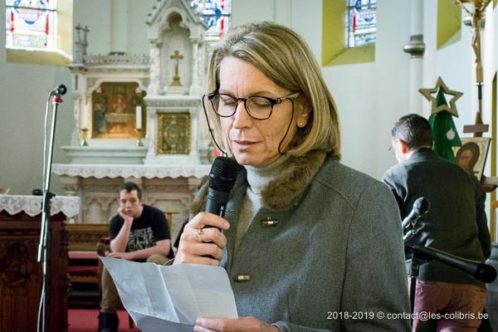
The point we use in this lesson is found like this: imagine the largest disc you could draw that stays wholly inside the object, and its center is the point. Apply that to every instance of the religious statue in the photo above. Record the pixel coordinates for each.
(478, 128)
(479, 7)
(477, 15)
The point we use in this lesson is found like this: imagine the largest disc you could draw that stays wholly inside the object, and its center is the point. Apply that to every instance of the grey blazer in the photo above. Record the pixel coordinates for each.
(325, 253)
(456, 221)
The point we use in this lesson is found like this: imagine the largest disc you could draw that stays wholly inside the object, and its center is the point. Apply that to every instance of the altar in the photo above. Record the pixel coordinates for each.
(21, 274)
(167, 187)
(139, 118)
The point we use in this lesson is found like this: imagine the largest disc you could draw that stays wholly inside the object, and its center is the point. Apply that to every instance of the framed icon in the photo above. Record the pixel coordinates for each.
(471, 156)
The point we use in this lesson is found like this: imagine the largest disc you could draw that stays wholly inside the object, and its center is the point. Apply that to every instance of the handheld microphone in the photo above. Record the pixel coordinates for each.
(59, 91)
(221, 180)
(483, 272)
(420, 207)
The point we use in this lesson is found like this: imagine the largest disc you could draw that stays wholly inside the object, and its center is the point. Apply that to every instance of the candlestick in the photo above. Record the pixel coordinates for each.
(84, 132)
(139, 137)
(138, 117)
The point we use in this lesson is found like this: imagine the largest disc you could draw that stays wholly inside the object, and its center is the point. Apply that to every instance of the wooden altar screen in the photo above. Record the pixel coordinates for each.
(20, 272)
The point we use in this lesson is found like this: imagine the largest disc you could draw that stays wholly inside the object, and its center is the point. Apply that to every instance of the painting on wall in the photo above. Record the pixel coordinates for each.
(471, 156)
(114, 107)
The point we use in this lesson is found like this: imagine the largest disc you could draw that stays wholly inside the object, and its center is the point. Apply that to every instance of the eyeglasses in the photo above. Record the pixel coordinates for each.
(258, 107)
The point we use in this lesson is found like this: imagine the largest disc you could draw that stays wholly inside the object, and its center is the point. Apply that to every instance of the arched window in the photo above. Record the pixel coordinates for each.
(39, 31)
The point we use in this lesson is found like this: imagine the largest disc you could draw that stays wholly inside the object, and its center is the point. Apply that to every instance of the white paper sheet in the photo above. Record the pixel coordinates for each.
(170, 298)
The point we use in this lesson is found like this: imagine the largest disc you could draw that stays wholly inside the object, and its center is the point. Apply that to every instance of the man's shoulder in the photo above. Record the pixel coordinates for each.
(427, 166)
(152, 210)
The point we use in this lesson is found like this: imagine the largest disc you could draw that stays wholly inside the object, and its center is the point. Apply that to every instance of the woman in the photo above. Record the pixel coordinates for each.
(467, 156)
(308, 243)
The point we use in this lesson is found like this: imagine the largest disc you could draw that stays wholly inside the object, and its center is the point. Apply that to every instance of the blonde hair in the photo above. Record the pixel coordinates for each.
(286, 59)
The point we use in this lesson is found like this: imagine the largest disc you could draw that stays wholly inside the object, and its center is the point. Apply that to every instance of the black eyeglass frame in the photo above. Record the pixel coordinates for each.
(272, 101)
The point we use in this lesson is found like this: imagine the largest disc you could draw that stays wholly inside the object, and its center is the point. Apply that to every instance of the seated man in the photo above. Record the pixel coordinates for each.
(138, 232)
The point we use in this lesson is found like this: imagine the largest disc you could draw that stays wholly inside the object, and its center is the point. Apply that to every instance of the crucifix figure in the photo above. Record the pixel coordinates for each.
(176, 77)
(479, 7)
(81, 43)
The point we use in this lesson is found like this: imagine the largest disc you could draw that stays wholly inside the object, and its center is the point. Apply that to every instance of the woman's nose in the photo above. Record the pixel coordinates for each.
(241, 115)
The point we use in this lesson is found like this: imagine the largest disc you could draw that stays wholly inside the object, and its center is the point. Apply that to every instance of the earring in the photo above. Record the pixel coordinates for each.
(301, 124)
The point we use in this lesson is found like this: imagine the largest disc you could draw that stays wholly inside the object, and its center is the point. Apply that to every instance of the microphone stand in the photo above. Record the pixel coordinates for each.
(421, 255)
(43, 247)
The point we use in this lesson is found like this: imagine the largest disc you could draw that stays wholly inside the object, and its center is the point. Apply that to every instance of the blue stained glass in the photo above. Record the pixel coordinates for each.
(216, 15)
(361, 22)
(30, 24)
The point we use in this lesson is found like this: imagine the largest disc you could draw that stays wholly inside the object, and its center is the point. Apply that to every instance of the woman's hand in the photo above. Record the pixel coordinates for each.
(202, 241)
(240, 324)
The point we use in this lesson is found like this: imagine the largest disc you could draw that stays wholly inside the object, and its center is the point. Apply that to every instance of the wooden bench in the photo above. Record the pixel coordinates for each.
(84, 269)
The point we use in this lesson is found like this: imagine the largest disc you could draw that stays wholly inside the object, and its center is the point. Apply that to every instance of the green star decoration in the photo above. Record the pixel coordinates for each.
(438, 97)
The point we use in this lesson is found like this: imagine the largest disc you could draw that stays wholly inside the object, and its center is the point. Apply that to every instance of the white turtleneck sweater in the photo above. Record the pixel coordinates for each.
(257, 179)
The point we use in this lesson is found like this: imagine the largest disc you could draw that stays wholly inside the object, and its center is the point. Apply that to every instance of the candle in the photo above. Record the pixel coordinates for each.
(138, 117)
(84, 116)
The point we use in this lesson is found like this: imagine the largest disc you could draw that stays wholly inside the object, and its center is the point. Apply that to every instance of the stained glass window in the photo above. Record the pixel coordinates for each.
(361, 21)
(31, 24)
(216, 14)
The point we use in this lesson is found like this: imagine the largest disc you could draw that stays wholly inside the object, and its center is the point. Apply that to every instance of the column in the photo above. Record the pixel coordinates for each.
(416, 49)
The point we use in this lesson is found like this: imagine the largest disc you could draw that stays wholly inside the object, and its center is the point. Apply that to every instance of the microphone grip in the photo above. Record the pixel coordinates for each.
(216, 201)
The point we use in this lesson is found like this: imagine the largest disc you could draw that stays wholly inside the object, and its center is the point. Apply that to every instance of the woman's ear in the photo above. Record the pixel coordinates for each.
(303, 112)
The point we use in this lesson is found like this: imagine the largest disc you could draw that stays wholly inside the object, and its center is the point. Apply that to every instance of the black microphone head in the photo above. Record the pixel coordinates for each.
(485, 273)
(421, 205)
(61, 89)
(223, 174)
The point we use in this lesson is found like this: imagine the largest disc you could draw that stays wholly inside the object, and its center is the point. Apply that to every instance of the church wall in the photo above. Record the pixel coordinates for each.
(25, 89)
(370, 96)
(384, 84)
(23, 93)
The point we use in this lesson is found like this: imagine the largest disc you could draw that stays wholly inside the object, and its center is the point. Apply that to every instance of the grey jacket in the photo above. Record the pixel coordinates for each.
(324, 253)
(456, 221)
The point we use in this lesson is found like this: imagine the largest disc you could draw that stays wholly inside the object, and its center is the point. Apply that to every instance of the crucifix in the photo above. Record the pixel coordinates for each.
(479, 7)
(176, 77)
(81, 42)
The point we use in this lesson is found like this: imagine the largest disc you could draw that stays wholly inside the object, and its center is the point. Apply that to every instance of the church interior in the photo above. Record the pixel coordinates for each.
(135, 72)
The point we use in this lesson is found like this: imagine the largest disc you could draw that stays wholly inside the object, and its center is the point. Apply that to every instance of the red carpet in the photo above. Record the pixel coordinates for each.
(86, 320)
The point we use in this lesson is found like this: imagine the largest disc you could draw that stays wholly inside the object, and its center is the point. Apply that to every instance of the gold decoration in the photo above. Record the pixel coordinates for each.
(431, 95)
(84, 133)
(173, 133)
(139, 136)
(176, 77)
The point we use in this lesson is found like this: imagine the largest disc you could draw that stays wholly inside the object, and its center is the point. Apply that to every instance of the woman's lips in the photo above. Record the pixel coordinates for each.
(245, 143)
